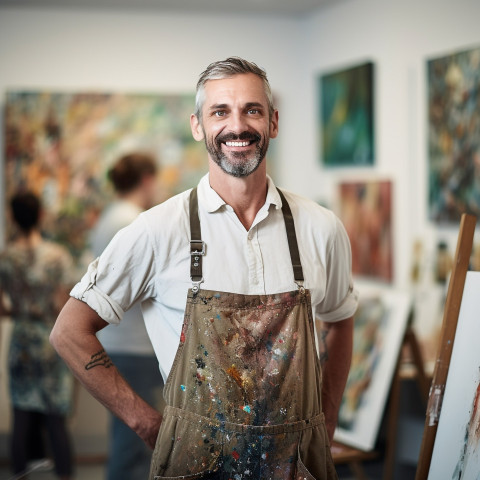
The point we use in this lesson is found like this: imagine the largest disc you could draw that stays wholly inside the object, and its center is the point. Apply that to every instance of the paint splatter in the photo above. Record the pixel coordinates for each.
(235, 374)
(183, 388)
(247, 408)
(235, 455)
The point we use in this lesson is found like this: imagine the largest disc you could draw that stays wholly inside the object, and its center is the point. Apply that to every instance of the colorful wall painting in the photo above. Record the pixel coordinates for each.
(61, 145)
(380, 324)
(456, 452)
(347, 116)
(454, 135)
(365, 208)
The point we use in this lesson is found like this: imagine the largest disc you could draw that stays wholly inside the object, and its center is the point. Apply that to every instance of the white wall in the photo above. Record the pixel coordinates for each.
(142, 52)
(398, 37)
(78, 50)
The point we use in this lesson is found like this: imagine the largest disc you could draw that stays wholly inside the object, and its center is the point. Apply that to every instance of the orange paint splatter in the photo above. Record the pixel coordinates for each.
(235, 374)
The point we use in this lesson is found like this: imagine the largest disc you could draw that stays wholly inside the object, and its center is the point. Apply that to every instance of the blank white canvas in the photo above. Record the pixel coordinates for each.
(460, 391)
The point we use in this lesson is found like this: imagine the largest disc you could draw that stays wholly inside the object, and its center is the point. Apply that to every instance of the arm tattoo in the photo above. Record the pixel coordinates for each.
(99, 359)
(323, 346)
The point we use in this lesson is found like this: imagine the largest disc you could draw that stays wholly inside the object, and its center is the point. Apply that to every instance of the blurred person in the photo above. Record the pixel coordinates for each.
(133, 179)
(35, 276)
(234, 276)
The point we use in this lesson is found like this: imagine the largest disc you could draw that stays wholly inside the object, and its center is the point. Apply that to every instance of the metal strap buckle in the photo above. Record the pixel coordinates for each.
(196, 286)
(194, 244)
(300, 286)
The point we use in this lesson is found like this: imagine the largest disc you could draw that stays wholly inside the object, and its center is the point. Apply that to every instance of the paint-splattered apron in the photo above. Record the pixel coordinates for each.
(243, 396)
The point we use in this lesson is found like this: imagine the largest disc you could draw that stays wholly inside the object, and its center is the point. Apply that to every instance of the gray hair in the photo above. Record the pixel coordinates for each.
(226, 69)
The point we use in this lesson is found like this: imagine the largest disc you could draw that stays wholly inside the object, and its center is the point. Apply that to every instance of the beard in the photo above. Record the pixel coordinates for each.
(237, 164)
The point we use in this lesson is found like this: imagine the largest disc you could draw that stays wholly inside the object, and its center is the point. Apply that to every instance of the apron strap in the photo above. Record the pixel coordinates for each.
(292, 239)
(197, 246)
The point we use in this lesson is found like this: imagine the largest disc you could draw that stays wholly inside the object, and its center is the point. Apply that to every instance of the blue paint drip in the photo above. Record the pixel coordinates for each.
(182, 388)
(220, 417)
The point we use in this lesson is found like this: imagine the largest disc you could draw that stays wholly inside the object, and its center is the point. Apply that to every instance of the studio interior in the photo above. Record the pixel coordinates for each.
(378, 121)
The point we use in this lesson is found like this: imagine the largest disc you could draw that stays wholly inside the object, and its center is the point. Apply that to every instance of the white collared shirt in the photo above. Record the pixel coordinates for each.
(149, 261)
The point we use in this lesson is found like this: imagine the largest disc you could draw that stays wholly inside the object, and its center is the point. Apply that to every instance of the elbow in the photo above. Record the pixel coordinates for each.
(55, 338)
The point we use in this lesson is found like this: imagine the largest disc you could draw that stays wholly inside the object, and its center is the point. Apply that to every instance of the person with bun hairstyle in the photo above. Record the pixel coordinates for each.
(133, 179)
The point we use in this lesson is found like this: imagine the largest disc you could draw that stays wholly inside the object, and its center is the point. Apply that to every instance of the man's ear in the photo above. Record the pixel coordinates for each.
(274, 124)
(197, 130)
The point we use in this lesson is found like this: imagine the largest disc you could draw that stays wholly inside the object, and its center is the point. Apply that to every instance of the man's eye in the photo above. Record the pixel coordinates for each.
(253, 111)
(219, 113)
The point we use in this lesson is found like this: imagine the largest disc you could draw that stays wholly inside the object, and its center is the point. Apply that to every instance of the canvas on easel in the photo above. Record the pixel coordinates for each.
(456, 453)
(448, 337)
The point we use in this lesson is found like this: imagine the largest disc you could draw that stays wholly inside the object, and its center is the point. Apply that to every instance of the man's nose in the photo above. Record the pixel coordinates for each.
(238, 123)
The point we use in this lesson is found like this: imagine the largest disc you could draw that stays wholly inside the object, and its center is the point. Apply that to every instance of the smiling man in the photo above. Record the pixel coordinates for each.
(266, 275)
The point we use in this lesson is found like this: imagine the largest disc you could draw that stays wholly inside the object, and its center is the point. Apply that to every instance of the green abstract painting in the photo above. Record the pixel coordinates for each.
(347, 117)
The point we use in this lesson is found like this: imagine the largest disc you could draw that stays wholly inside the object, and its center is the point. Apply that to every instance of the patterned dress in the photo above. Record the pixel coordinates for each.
(39, 380)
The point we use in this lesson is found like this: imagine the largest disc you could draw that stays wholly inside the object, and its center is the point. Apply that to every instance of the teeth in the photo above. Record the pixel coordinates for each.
(237, 144)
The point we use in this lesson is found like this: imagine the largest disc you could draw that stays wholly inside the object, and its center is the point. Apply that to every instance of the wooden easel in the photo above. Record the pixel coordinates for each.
(353, 457)
(343, 454)
(449, 327)
(410, 341)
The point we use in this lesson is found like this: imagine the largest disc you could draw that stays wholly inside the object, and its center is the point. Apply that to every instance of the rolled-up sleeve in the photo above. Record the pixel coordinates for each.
(341, 298)
(121, 276)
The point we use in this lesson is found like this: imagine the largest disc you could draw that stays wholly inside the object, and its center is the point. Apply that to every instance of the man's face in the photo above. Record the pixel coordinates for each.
(235, 124)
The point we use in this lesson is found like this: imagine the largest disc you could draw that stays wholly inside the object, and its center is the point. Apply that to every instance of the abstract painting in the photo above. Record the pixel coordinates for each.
(60, 145)
(456, 452)
(454, 135)
(365, 208)
(380, 323)
(347, 116)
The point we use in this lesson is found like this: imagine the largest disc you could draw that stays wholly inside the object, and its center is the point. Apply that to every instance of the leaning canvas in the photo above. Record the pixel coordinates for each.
(453, 135)
(456, 452)
(380, 324)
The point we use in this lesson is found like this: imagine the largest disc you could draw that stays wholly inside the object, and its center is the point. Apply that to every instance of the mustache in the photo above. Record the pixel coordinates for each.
(244, 136)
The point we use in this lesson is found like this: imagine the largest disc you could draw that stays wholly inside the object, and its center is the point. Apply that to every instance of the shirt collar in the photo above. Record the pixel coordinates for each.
(212, 201)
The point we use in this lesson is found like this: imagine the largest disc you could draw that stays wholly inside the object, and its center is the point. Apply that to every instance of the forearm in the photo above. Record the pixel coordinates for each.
(336, 344)
(74, 338)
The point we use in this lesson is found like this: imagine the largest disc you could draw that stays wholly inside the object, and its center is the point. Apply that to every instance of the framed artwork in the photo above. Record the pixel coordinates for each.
(456, 452)
(454, 135)
(380, 324)
(60, 145)
(365, 208)
(347, 116)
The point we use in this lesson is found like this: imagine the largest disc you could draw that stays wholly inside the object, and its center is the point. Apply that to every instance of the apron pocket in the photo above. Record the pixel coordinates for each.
(302, 471)
(314, 451)
(186, 449)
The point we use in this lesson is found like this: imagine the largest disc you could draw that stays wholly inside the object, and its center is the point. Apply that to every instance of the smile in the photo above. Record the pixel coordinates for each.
(237, 144)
